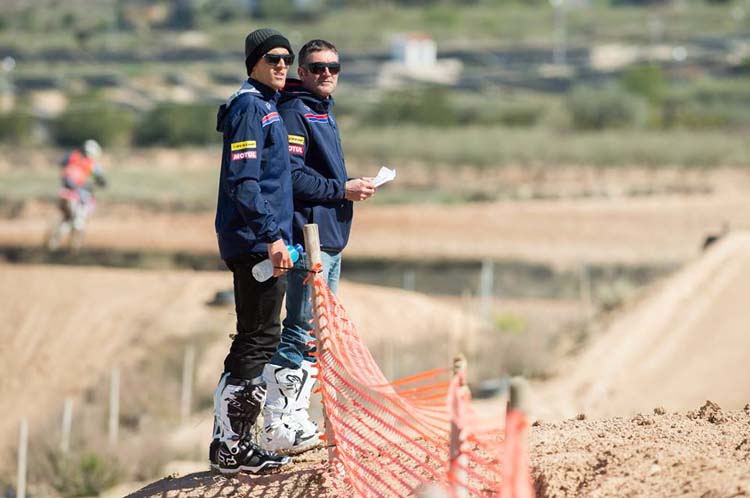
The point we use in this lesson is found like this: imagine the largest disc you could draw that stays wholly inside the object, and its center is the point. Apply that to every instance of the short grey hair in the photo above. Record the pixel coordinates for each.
(315, 46)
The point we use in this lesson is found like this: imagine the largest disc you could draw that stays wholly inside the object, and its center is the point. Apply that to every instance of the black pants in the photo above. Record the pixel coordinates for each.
(258, 307)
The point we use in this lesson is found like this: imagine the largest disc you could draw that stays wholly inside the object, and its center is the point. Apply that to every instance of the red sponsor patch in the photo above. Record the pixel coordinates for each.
(296, 149)
(248, 154)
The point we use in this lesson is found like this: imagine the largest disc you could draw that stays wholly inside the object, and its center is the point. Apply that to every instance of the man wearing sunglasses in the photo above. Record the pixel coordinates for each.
(323, 194)
(253, 222)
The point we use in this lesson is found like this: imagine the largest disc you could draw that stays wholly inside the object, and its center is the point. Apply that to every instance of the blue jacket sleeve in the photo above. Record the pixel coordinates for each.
(241, 181)
(309, 185)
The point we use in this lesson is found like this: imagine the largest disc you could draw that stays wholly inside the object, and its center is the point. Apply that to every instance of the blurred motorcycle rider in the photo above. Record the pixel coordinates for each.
(80, 172)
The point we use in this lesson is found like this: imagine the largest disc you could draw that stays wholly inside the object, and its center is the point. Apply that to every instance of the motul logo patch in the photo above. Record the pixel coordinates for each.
(296, 149)
(250, 154)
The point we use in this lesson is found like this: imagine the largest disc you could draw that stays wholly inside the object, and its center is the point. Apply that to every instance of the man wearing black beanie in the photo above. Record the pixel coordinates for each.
(253, 222)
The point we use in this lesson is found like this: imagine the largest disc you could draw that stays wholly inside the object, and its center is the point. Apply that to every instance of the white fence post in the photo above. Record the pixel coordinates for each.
(585, 286)
(67, 422)
(186, 399)
(409, 279)
(114, 406)
(23, 444)
(486, 288)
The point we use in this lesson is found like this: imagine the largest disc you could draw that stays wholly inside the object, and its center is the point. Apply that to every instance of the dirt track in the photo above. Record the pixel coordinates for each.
(621, 230)
(682, 341)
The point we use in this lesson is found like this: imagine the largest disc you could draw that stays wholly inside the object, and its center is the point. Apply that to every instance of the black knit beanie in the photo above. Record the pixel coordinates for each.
(261, 41)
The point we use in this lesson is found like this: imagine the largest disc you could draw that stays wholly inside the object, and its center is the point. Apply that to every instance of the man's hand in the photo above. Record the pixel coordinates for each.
(359, 189)
(279, 256)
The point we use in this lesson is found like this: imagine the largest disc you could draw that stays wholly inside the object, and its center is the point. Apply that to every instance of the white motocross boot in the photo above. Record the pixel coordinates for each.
(281, 431)
(301, 411)
(237, 403)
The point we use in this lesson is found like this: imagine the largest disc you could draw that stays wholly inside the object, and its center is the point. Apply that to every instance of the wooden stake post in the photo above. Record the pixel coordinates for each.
(312, 248)
(458, 460)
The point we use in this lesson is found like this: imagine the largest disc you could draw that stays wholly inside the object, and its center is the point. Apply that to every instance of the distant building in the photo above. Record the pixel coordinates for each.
(414, 59)
(415, 49)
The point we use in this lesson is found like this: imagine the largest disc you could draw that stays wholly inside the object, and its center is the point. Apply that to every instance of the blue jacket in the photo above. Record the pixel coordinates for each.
(318, 169)
(255, 204)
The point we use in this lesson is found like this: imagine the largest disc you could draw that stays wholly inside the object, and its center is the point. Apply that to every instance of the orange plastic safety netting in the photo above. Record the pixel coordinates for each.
(390, 438)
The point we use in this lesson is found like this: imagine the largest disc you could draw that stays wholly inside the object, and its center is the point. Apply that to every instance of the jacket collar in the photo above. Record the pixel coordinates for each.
(294, 89)
(254, 87)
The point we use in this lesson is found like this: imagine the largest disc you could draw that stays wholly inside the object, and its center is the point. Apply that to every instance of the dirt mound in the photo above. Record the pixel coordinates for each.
(704, 454)
(655, 455)
(681, 342)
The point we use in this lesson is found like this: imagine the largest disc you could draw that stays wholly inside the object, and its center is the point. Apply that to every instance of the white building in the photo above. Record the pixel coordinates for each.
(414, 59)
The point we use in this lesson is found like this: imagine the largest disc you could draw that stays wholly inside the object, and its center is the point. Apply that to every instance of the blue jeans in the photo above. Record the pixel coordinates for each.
(295, 335)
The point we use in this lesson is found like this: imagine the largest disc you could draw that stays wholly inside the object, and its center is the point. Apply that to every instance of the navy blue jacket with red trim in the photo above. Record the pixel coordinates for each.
(255, 187)
(318, 169)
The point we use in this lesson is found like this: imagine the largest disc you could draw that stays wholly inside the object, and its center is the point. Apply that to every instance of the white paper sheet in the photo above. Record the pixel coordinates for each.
(385, 175)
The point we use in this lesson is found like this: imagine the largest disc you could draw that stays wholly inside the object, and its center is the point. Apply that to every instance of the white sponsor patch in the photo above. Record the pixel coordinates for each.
(250, 154)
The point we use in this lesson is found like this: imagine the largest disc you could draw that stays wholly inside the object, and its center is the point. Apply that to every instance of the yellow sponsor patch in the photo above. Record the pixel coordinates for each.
(296, 139)
(247, 144)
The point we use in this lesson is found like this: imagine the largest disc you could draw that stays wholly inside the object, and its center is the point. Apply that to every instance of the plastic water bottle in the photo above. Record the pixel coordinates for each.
(264, 270)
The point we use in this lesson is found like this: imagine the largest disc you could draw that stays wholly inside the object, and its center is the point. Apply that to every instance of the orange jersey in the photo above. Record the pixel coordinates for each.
(78, 169)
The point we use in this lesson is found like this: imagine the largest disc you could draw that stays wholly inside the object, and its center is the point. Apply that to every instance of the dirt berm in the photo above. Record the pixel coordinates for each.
(704, 453)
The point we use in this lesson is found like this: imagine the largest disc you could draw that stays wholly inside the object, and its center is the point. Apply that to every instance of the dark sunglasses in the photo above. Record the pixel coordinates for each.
(274, 59)
(320, 67)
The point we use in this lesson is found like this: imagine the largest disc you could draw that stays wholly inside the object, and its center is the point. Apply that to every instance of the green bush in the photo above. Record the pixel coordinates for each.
(85, 475)
(179, 124)
(102, 121)
(608, 107)
(15, 127)
(426, 106)
(521, 114)
(511, 323)
(646, 80)
(708, 103)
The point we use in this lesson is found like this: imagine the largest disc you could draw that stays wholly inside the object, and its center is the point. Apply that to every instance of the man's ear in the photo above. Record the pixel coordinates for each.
(299, 71)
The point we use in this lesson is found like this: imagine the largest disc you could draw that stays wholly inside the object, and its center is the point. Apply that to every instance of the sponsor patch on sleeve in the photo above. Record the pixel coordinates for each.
(248, 154)
(297, 149)
(271, 117)
(296, 139)
(247, 144)
(317, 118)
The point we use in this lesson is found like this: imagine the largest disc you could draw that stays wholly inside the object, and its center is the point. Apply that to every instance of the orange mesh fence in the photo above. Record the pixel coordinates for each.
(389, 438)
